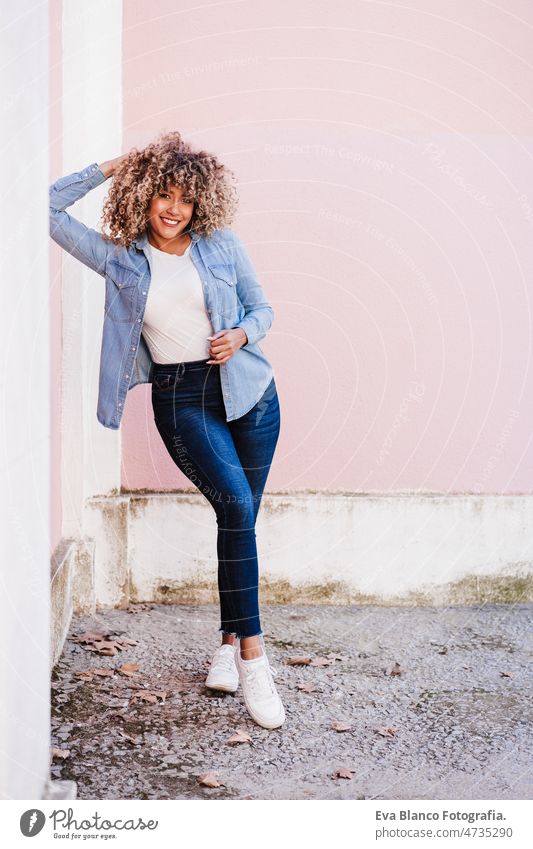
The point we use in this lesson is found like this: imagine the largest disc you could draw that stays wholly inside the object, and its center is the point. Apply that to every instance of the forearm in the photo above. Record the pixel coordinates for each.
(259, 314)
(255, 324)
(72, 235)
(67, 190)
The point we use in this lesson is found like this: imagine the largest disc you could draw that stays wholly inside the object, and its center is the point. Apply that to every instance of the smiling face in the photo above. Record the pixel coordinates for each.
(169, 215)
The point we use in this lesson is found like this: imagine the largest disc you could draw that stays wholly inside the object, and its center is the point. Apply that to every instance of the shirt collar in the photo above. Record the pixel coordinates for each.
(141, 241)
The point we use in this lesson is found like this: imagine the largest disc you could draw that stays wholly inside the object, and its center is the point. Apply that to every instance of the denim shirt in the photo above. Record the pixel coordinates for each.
(232, 293)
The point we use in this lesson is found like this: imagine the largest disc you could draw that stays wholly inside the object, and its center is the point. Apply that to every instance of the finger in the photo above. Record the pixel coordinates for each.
(217, 348)
(218, 358)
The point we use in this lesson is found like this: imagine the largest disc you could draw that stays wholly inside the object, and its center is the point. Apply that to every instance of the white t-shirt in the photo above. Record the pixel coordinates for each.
(176, 324)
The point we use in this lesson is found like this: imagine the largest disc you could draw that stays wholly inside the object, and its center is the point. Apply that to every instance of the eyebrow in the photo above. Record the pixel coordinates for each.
(174, 191)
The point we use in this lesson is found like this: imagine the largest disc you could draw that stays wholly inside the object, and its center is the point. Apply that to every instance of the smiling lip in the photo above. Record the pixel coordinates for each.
(170, 222)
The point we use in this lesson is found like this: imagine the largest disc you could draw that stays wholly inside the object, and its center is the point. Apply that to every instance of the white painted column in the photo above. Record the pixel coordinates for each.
(92, 127)
(25, 436)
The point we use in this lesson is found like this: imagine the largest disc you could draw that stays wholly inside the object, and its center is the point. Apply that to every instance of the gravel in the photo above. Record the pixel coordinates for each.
(460, 728)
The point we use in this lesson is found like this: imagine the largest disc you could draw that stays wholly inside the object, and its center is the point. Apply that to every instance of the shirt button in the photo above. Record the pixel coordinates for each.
(127, 375)
(138, 319)
(120, 404)
(133, 347)
(144, 293)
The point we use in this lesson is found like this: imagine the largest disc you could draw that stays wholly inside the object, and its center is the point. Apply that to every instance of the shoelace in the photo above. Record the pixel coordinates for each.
(273, 671)
(257, 676)
(226, 660)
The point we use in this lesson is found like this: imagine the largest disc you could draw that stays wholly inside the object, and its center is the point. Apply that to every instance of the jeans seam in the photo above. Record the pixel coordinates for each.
(229, 599)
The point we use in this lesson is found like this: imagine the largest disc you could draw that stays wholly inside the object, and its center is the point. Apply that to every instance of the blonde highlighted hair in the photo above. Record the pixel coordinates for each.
(169, 160)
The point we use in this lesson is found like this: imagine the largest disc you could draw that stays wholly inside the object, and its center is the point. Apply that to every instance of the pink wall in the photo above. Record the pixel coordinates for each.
(384, 154)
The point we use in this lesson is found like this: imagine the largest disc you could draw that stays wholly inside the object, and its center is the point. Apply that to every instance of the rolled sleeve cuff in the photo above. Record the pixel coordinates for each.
(248, 325)
(87, 179)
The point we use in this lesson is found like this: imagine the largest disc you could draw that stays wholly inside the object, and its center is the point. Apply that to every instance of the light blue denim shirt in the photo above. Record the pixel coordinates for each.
(232, 293)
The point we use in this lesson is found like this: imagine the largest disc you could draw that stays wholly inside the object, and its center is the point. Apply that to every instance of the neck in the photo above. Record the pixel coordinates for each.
(171, 246)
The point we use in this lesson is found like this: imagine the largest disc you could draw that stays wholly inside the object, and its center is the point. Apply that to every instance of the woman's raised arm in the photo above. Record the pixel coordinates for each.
(76, 238)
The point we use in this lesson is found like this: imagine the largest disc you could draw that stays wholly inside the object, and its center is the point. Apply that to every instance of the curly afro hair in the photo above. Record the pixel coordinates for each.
(169, 160)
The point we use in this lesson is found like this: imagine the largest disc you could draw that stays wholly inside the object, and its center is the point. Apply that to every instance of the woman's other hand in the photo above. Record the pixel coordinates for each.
(110, 165)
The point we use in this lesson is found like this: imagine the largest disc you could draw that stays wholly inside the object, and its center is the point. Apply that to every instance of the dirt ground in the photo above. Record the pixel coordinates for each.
(423, 703)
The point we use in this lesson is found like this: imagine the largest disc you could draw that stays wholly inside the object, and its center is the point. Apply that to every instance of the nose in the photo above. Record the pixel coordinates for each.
(174, 209)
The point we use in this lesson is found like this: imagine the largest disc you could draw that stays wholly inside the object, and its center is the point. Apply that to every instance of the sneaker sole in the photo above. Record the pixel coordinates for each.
(225, 688)
(270, 725)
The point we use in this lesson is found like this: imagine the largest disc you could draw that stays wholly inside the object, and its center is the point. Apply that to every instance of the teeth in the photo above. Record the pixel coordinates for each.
(169, 220)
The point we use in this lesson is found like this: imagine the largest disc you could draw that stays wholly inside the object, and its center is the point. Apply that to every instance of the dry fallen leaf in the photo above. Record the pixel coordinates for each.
(506, 674)
(240, 736)
(386, 732)
(343, 772)
(59, 753)
(126, 717)
(298, 660)
(395, 669)
(143, 697)
(103, 643)
(88, 674)
(209, 779)
(443, 650)
(106, 647)
(84, 676)
(321, 661)
(133, 738)
(129, 668)
(308, 687)
(148, 696)
(88, 637)
(337, 725)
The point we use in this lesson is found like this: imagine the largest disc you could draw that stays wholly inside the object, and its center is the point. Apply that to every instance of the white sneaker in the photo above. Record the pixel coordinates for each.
(223, 673)
(259, 691)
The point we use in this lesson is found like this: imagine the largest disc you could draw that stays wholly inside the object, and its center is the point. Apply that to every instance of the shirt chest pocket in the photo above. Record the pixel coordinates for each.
(122, 291)
(224, 279)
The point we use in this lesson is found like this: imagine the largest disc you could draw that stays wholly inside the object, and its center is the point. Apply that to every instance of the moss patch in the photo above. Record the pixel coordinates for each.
(472, 590)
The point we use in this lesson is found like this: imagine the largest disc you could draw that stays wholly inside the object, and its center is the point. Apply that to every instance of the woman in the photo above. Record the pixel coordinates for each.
(184, 311)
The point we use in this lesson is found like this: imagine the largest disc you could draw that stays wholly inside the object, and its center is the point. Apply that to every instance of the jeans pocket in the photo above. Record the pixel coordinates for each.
(163, 382)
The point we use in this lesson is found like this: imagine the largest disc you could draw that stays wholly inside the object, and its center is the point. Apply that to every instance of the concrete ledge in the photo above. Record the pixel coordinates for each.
(413, 549)
(71, 588)
(106, 520)
(62, 571)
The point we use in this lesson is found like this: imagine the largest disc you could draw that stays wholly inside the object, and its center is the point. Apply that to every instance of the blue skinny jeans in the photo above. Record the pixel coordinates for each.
(229, 463)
